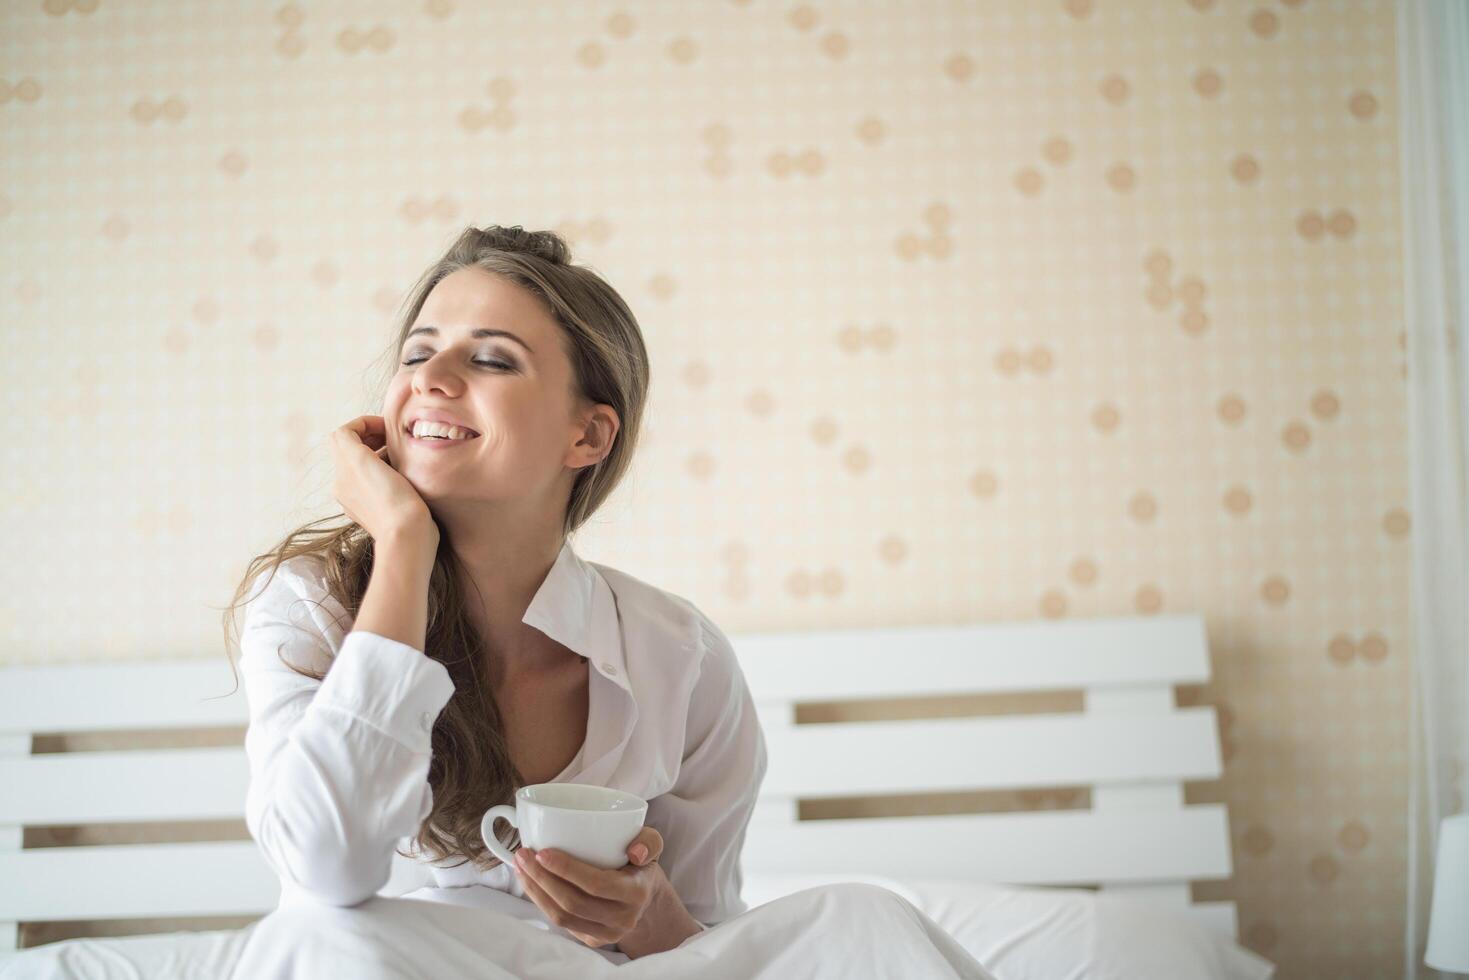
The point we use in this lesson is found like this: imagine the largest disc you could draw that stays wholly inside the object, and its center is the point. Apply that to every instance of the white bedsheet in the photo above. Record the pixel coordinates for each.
(793, 928)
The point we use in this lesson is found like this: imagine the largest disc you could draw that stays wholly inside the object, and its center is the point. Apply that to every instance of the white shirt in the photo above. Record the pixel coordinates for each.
(339, 767)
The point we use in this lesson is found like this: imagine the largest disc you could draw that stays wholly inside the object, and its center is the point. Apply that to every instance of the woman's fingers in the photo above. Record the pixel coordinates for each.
(651, 844)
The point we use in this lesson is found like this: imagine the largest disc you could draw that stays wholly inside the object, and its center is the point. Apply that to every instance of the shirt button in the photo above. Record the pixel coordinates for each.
(427, 721)
(607, 668)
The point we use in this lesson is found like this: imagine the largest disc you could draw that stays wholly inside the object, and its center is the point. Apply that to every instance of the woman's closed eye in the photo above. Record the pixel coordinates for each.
(495, 364)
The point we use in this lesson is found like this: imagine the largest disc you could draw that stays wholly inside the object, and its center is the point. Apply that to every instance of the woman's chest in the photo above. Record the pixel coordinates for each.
(545, 721)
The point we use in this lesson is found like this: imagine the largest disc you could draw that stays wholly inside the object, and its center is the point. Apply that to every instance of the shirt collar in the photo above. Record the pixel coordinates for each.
(575, 607)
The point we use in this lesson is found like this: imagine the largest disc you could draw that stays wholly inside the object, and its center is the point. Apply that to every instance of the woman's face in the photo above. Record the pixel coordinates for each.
(515, 393)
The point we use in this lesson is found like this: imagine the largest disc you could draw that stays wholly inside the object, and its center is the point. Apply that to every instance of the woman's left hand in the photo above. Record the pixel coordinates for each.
(595, 905)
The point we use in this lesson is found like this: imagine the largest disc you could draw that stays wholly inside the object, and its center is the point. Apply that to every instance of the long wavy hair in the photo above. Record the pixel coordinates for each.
(471, 769)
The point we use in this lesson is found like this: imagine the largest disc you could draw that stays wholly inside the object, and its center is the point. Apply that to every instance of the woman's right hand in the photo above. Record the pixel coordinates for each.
(371, 491)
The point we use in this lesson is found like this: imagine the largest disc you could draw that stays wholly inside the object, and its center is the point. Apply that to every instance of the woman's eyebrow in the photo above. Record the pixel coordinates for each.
(478, 332)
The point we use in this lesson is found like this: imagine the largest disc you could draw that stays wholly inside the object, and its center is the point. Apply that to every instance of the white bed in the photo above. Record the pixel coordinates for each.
(1013, 887)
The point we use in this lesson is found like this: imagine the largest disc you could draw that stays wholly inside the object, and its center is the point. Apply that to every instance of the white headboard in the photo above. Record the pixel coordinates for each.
(1131, 745)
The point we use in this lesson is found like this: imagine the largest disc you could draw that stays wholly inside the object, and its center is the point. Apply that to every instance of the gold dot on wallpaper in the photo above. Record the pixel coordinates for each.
(1159, 295)
(264, 248)
(324, 274)
(27, 90)
(1142, 506)
(1373, 648)
(717, 134)
(959, 67)
(983, 483)
(265, 337)
(1275, 590)
(700, 465)
(940, 246)
(1193, 322)
(849, 338)
(1106, 417)
(1353, 836)
(832, 582)
(1244, 168)
(206, 310)
(1324, 869)
(1310, 225)
(802, 18)
(882, 337)
(1237, 500)
(1158, 264)
(291, 45)
(116, 227)
(760, 402)
(1296, 436)
(824, 430)
(1264, 23)
(1257, 840)
(176, 341)
(1325, 404)
(1077, 8)
(1029, 181)
(735, 552)
(1008, 361)
(1148, 599)
(1191, 290)
(1040, 359)
(1363, 105)
(836, 44)
(1231, 409)
(1053, 604)
(1121, 177)
(871, 130)
(1262, 936)
(798, 584)
(857, 459)
(438, 9)
(663, 285)
(1056, 150)
(718, 166)
(683, 50)
(500, 88)
(938, 214)
(1084, 571)
(591, 55)
(1395, 522)
(696, 374)
(1208, 82)
(143, 111)
(620, 24)
(1114, 89)
(1341, 649)
(289, 15)
(892, 549)
(811, 162)
(233, 163)
(778, 163)
(909, 246)
(1341, 223)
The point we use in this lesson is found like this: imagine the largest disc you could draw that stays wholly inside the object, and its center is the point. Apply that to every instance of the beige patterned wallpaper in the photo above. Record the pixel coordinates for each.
(958, 310)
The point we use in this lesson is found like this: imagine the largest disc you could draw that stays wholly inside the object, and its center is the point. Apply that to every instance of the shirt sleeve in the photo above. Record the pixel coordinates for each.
(338, 767)
(703, 817)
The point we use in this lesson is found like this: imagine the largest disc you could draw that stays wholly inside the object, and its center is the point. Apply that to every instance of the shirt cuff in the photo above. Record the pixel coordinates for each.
(388, 684)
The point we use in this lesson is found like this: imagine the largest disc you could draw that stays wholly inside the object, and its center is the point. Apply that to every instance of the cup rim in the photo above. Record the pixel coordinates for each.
(521, 795)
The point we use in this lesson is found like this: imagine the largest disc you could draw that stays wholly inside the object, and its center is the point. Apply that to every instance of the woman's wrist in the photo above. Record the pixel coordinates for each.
(665, 923)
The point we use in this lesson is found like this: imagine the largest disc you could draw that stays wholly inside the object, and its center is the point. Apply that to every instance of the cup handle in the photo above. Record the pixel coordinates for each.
(487, 831)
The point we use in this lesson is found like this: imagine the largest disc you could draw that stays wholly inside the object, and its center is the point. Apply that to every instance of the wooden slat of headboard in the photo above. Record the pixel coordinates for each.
(947, 754)
(837, 665)
(105, 697)
(108, 787)
(1036, 848)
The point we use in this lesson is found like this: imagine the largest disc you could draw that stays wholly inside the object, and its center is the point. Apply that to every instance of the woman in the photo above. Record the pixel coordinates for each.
(413, 667)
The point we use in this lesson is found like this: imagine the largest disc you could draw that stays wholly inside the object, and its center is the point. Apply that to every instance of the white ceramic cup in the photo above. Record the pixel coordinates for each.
(595, 824)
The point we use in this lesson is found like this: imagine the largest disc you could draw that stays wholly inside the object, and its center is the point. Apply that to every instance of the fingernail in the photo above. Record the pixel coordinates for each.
(640, 853)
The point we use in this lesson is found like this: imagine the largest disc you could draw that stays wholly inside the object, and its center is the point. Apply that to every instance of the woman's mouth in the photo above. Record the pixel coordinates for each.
(437, 442)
